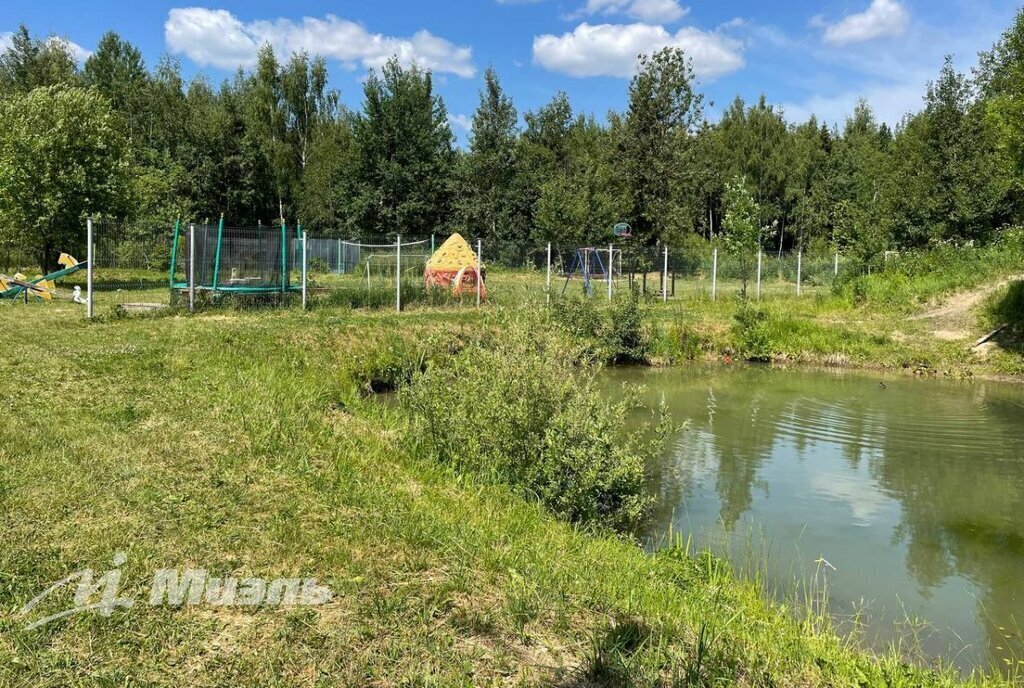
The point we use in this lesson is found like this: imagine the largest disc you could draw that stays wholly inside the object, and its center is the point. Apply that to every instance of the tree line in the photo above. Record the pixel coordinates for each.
(116, 139)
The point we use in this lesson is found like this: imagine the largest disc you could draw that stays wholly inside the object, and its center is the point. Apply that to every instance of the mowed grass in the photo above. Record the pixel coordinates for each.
(242, 442)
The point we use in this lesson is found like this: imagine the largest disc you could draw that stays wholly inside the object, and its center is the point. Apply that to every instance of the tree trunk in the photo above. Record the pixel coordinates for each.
(47, 258)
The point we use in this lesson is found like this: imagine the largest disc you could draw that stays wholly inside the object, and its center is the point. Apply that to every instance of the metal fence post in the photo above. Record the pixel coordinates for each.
(714, 275)
(479, 270)
(192, 268)
(664, 278)
(611, 263)
(305, 268)
(548, 289)
(760, 256)
(90, 257)
(799, 270)
(398, 276)
(339, 257)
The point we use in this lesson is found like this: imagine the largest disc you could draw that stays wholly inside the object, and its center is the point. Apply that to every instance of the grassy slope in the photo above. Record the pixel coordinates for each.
(237, 442)
(824, 329)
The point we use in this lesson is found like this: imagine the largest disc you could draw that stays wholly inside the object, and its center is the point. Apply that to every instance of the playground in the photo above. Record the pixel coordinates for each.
(152, 269)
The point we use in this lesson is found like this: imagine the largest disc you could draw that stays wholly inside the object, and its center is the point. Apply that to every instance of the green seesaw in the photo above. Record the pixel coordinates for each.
(43, 288)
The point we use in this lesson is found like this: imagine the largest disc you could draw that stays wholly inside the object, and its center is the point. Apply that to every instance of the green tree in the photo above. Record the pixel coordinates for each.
(949, 177)
(405, 154)
(1000, 77)
(117, 71)
(311, 108)
(858, 176)
(742, 230)
(656, 145)
(542, 152)
(581, 198)
(34, 62)
(265, 124)
(809, 189)
(490, 205)
(328, 180)
(62, 157)
(754, 144)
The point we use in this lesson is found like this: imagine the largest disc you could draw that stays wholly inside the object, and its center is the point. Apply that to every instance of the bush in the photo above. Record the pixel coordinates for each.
(619, 333)
(626, 332)
(578, 316)
(750, 329)
(518, 411)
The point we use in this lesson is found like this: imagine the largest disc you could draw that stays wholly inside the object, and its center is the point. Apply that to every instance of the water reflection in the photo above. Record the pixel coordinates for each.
(913, 489)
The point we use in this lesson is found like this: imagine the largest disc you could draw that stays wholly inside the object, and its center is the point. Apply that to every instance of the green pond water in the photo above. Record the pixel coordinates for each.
(911, 490)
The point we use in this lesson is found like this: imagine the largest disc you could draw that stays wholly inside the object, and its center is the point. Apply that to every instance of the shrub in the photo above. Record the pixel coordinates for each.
(625, 333)
(518, 411)
(618, 333)
(750, 329)
(577, 315)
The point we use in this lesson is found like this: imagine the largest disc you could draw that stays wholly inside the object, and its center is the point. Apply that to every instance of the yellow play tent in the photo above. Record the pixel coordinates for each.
(454, 265)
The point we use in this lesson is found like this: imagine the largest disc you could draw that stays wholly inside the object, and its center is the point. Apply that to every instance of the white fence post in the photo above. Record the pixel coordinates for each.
(799, 270)
(90, 257)
(664, 278)
(714, 275)
(398, 276)
(192, 268)
(549, 273)
(340, 254)
(611, 263)
(479, 270)
(760, 255)
(305, 268)
(835, 272)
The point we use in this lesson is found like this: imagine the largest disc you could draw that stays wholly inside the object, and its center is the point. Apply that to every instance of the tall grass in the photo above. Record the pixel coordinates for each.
(911, 278)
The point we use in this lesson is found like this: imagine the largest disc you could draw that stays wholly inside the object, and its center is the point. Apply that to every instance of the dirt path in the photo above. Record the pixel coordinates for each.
(955, 319)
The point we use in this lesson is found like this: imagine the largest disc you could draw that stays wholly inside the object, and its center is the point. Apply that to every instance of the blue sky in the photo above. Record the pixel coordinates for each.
(810, 57)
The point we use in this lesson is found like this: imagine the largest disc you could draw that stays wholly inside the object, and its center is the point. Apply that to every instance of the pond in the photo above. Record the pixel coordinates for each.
(904, 497)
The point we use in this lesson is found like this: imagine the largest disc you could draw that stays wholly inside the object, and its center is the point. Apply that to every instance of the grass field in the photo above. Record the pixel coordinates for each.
(242, 441)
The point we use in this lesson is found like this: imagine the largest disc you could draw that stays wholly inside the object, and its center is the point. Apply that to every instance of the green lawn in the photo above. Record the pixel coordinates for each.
(239, 441)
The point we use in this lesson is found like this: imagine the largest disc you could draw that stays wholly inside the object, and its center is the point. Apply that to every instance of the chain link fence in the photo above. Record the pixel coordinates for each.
(151, 266)
(702, 272)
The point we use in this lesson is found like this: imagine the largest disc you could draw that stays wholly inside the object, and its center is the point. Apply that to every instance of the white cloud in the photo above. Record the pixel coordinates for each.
(889, 103)
(5, 40)
(218, 38)
(612, 50)
(463, 122)
(650, 11)
(882, 19)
